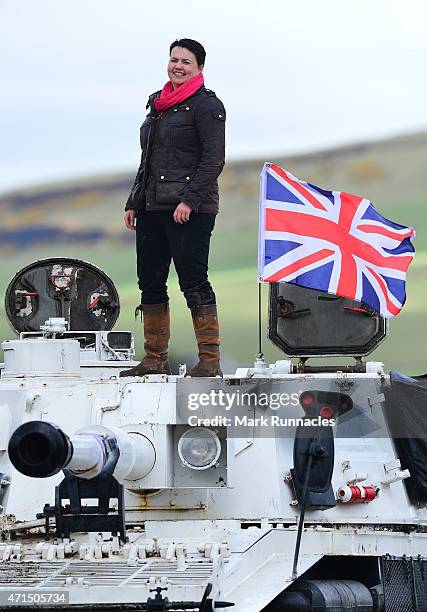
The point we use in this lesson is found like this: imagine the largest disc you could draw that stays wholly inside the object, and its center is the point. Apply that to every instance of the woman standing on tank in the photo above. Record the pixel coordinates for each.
(173, 205)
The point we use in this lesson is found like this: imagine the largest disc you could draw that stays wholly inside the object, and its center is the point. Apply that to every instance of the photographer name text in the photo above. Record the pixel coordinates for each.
(259, 421)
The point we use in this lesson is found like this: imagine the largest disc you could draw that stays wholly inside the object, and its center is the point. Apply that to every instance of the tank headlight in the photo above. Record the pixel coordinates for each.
(199, 448)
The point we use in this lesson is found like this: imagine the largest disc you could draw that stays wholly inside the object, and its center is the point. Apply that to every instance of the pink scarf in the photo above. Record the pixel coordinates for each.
(170, 96)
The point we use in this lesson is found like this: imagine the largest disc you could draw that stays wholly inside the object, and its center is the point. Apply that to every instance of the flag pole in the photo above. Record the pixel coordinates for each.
(260, 353)
(261, 251)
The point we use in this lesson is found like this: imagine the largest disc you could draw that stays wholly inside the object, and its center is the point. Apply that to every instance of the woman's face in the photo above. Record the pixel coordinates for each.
(182, 66)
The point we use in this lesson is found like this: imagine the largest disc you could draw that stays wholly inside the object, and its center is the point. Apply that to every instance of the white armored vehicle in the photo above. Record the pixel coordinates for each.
(281, 487)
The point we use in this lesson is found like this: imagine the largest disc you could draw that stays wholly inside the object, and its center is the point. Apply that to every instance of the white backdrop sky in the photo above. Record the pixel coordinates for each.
(294, 76)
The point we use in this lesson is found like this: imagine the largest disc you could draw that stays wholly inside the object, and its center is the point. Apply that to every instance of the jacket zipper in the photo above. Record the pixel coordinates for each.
(150, 138)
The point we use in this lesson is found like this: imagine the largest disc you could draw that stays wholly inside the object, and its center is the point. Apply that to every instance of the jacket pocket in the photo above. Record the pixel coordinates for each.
(184, 135)
(170, 185)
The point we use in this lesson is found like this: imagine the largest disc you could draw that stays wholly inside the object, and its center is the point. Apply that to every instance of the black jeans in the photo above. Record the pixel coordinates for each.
(159, 240)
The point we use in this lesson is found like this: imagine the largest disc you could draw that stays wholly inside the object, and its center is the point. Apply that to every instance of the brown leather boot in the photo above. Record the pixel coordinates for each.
(156, 340)
(205, 322)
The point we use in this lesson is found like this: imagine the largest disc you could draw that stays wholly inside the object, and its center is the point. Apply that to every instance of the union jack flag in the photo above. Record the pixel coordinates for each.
(331, 241)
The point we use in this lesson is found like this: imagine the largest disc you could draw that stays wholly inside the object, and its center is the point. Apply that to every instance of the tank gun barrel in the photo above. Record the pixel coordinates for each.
(40, 449)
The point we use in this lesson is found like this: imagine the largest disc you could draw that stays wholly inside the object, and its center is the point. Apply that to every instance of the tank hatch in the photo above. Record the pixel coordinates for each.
(310, 323)
(76, 290)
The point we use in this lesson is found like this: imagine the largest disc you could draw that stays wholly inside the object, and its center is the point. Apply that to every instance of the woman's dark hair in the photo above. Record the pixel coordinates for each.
(193, 46)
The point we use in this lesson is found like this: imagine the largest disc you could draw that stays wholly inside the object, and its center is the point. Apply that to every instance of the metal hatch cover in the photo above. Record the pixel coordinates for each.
(310, 323)
(62, 287)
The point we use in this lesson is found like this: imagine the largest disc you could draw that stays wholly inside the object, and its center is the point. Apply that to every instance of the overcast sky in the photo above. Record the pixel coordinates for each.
(294, 76)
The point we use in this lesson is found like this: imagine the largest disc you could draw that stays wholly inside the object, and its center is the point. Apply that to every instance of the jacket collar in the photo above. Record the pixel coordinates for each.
(156, 94)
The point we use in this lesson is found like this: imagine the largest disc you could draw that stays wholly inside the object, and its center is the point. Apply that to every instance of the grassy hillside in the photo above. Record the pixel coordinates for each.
(84, 219)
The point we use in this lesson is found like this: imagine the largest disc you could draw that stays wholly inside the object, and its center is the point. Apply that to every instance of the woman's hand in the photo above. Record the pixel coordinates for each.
(129, 218)
(182, 213)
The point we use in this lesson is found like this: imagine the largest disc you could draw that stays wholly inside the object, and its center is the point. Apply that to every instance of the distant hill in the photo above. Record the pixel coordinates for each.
(83, 218)
(392, 173)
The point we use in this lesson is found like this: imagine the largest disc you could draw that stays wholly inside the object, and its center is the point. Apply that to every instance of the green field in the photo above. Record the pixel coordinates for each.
(393, 174)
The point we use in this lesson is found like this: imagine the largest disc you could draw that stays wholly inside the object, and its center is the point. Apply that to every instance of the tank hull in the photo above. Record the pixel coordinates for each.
(239, 536)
